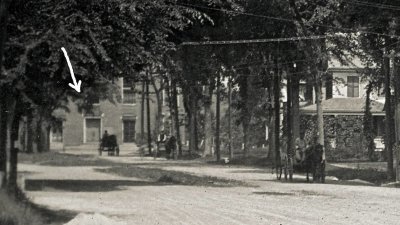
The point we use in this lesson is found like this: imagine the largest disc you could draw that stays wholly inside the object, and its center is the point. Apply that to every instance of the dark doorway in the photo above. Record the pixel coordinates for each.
(129, 131)
(93, 130)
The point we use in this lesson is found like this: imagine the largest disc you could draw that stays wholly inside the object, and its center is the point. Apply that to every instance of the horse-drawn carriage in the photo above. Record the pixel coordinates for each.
(308, 158)
(168, 145)
(109, 143)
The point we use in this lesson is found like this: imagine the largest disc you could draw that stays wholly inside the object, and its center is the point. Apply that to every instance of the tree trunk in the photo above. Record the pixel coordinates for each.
(171, 107)
(368, 124)
(148, 116)
(295, 107)
(45, 132)
(4, 5)
(29, 132)
(396, 72)
(142, 108)
(320, 116)
(38, 134)
(3, 139)
(229, 118)
(277, 92)
(12, 179)
(207, 121)
(388, 120)
(217, 121)
(329, 86)
(3, 142)
(271, 137)
(192, 119)
(290, 120)
(246, 115)
(271, 122)
(42, 135)
(158, 91)
(176, 119)
(196, 126)
(48, 131)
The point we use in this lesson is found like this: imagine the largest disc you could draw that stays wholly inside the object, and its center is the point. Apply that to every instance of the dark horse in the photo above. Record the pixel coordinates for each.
(109, 144)
(170, 146)
(313, 162)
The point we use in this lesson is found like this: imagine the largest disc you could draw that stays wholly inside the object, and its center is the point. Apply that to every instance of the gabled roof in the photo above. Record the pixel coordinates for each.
(345, 106)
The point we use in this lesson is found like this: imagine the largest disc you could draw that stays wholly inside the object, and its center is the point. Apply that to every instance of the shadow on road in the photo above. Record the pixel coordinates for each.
(271, 193)
(84, 185)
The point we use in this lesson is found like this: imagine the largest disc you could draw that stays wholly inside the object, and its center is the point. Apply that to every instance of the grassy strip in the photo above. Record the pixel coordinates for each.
(171, 177)
(371, 175)
(60, 159)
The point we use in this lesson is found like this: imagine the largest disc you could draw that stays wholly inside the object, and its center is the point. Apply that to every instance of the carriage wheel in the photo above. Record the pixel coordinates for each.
(278, 172)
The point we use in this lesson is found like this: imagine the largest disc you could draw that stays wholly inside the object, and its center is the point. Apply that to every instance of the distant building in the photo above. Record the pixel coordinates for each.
(121, 118)
(344, 112)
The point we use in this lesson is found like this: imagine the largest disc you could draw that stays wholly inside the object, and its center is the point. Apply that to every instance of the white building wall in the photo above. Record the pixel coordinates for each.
(339, 89)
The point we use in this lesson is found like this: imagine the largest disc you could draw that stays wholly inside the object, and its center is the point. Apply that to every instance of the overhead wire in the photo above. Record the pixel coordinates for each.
(287, 20)
(383, 6)
(375, 5)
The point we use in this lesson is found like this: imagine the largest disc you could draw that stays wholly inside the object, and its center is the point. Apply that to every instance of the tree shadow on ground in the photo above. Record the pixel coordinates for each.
(265, 171)
(84, 185)
(295, 193)
(172, 177)
(50, 216)
(272, 193)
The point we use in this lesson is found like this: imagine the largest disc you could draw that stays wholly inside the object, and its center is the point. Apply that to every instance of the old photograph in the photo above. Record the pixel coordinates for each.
(199, 112)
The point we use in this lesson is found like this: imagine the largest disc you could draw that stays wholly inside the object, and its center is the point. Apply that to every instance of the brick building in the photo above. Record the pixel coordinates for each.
(121, 117)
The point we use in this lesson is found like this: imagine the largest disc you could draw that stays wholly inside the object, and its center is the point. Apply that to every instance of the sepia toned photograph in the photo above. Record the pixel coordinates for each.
(199, 112)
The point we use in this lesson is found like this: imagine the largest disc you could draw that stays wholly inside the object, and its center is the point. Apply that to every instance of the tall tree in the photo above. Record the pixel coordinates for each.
(104, 37)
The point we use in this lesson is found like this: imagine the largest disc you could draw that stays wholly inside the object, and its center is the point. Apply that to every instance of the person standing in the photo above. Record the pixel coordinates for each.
(161, 138)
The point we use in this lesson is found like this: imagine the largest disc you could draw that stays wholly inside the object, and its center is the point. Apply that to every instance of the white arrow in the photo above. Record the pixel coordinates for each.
(76, 86)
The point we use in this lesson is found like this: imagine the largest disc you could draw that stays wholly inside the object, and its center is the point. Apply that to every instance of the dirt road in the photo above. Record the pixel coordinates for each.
(268, 202)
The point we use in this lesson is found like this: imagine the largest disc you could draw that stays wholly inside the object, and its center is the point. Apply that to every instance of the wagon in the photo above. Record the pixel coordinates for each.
(109, 144)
